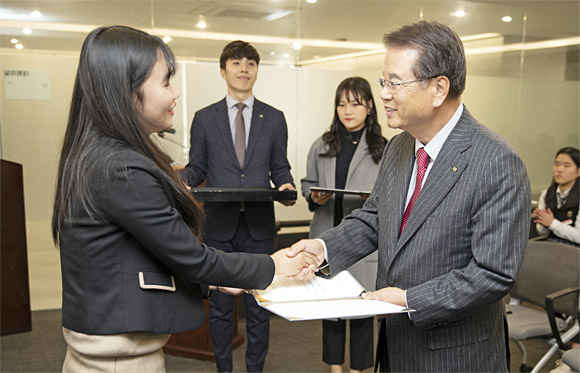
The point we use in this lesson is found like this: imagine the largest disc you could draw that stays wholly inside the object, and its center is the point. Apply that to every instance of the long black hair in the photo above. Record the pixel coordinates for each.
(114, 63)
(360, 90)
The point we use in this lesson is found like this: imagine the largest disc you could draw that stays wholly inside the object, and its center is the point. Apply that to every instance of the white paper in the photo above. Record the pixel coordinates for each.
(333, 309)
(282, 289)
(320, 298)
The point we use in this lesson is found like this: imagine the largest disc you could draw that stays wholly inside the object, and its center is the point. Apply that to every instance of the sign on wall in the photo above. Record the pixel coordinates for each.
(24, 84)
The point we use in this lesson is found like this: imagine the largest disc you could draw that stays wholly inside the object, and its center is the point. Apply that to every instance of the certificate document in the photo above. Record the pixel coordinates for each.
(320, 298)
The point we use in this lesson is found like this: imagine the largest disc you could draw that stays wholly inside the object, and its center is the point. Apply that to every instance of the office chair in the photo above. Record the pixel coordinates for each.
(549, 281)
(572, 359)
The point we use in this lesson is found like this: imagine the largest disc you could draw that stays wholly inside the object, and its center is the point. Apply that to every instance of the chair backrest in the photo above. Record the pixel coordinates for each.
(547, 267)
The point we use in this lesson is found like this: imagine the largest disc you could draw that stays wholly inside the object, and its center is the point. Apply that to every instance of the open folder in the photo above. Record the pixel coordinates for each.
(320, 298)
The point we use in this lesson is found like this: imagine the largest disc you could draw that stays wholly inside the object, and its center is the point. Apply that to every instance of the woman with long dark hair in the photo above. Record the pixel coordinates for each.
(557, 214)
(133, 270)
(347, 156)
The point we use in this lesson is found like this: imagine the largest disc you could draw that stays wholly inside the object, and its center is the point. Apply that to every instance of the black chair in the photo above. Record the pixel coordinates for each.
(544, 299)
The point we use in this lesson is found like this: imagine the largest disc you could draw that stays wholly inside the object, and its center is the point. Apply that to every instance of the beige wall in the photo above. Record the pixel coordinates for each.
(536, 116)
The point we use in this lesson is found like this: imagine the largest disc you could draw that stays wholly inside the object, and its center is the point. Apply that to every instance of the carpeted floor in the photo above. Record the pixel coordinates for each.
(294, 347)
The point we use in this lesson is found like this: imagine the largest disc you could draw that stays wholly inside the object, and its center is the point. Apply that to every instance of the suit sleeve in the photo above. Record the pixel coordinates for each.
(196, 170)
(312, 178)
(500, 218)
(358, 231)
(279, 166)
(135, 200)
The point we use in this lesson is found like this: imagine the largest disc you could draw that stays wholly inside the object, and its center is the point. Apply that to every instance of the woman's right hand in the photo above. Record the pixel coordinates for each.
(320, 198)
(300, 266)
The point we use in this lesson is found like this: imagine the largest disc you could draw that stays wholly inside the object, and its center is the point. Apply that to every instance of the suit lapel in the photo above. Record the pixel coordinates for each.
(329, 166)
(447, 169)
(258, 117)
(403, 171)
(222, 121)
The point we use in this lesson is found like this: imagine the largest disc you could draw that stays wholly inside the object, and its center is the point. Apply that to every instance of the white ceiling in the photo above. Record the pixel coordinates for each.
(326, 28)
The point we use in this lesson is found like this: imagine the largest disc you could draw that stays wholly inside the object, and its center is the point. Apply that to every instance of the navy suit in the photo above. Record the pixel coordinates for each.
(212, 158)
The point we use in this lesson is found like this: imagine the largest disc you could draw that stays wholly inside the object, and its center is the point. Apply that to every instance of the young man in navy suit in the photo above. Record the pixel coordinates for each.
(239, 142)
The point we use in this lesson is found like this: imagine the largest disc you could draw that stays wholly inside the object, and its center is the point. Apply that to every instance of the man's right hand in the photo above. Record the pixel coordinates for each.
(314, 247)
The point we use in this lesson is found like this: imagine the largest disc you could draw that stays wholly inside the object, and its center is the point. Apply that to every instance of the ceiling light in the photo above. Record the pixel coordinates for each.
(459, 13)
(14, 41)
(167, 39)
(201, 22)
(506, 19)
(272, 53)
(19, 46)
(296, 45)
(27, 30)
(311, 1)
(36, 14)
(286, 55)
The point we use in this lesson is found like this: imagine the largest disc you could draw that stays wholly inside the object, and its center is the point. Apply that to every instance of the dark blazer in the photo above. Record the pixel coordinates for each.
(459, 253)
(133, 264)
(212, 158)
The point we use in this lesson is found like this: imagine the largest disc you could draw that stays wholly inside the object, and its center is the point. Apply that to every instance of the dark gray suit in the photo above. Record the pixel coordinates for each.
(212, 157)
(458, 255)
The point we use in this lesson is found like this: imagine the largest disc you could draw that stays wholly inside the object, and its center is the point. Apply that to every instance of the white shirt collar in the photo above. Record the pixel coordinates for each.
(231, 102)
(434, 146)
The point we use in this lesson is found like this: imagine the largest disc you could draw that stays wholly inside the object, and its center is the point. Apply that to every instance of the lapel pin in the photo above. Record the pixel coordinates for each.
(261, 115)
(454, 169)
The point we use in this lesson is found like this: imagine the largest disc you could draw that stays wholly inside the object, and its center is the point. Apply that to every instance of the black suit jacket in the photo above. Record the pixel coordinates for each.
(132, 264)
(212, 158)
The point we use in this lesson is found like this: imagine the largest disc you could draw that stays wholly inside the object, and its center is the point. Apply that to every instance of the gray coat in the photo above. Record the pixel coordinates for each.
(458, 256)
(362, 174)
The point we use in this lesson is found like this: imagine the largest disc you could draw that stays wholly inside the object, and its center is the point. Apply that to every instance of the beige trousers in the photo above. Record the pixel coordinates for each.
(127, 352)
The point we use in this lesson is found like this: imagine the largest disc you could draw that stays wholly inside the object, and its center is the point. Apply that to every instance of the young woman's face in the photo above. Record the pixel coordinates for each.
(352, 114)
(565, 170)
(158, 98)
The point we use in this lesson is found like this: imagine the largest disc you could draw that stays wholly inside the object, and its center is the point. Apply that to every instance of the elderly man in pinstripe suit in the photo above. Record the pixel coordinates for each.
(449, 215)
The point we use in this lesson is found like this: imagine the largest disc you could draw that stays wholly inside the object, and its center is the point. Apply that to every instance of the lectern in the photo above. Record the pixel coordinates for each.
(15, 314)
(196, 343)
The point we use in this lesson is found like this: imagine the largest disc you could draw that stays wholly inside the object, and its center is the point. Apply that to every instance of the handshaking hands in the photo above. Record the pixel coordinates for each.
(301, 265)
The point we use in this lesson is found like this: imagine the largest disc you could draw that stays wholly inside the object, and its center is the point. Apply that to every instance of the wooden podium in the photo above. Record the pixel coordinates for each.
(15, 314)
(196, 344)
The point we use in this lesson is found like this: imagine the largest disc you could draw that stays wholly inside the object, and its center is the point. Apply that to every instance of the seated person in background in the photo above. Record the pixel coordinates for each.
(347, 156)
(557, 214)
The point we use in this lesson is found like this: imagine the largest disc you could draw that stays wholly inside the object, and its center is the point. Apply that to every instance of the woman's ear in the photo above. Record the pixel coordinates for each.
(441, 92)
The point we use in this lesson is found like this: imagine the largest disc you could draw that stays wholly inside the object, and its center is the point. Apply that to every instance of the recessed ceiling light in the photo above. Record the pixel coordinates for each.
(27, 30)
(14, 41)
(36, 14)
(311, 1)
(167, 39)
(506, 19)
(272, 53)
(286, 55)
(19, 46)
(459, 13)
(296, 45)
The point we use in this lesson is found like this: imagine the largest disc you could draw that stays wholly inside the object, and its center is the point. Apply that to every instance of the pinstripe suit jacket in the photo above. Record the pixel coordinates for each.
(458, 255)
